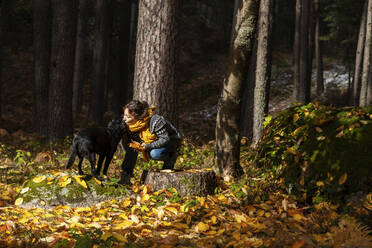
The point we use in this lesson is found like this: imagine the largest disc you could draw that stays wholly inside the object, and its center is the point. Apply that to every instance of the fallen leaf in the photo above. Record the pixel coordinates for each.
(18, 202)
(202, 227)
(342, 179)
(81, 182)
(38, 179)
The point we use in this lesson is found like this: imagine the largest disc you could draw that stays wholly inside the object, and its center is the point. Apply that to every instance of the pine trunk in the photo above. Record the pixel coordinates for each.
(296, 52)
(80, 51)
(363, 101)
(42, 38)
(61, 70)
(359, 56)
(121, 81)
(262, 69)
(97, 105)
(304, 89)
(156, 58)
(318, 53)
(228, 116)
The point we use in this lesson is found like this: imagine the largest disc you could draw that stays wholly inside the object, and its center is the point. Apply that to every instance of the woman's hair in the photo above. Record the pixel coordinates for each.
(137, 108)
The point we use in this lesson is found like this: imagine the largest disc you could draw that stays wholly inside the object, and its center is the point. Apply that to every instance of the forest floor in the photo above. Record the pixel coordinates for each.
(253, 212)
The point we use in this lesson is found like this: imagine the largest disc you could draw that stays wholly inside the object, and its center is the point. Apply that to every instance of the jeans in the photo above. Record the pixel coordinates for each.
(167, 154)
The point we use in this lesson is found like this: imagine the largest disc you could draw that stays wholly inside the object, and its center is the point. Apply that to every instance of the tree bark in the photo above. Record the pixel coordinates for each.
(359, 55)
(3, 23)
(61, 70)
(97, 105)
(310, 49)
(121, 81)
(228, 116)
(189, 182)
(296, 51)
(363, 101)
(318, 52)
(262, 69)
(156, 56)
(42, 39)
(304, 86)
(80, 54)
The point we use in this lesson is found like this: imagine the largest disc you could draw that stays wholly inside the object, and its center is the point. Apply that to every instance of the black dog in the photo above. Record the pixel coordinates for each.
(94, 140)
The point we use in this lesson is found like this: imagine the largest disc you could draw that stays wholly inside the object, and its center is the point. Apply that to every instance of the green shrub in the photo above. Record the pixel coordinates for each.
(319, 152)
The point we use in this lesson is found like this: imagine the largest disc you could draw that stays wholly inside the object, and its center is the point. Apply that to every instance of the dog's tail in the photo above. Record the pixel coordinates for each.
(73, 153)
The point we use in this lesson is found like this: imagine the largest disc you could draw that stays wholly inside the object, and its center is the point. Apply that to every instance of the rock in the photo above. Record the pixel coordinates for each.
(58, 188)
(188, 182)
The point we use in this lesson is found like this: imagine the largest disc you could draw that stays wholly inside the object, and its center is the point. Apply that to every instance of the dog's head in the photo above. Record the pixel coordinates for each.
(117, 126)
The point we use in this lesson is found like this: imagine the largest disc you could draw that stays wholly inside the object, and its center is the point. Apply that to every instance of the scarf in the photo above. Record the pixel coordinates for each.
(142, 126)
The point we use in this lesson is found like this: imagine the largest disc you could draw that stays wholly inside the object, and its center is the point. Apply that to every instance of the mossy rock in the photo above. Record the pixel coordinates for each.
(57, 188)
(322, 153)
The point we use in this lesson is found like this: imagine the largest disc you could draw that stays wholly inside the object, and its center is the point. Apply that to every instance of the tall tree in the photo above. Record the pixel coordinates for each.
(156, 55)
(301, 89)
(359, 56)
(97, 104)
(42, 38)
(318, 52)
(80, 54)
(296, 51)
(121, 80)
(228, 115)
(363, 100)
(61, 70)
(262, 68)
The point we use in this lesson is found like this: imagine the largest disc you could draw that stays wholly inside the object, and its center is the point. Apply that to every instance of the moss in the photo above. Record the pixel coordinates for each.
(313, 146)
(51, 192)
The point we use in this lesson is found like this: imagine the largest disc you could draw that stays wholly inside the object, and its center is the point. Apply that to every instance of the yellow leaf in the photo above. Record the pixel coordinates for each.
(81, 182)
(320, 184)
(267, 214)
(202, 227)
(172, 209)
(214, 219)
(124, 224)
(298, 217)
(211, 232)
(342, 179)
(146, 189)
(296, 117)
(97, 181)
(260, 212)
(65, 183)
(144, 209)
(38, 179)
(145, 197)
(42, 203)
(106, 235)
(18, 202)
(370, 116)
(241, 218)
(125, 203)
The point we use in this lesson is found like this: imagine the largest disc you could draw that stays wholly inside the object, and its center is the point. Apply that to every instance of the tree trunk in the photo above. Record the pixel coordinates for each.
(121, 81)
(318, 52)
(42, 39)
(189, 182)
(363, 101)
(359, 55)
(156, 58)
(80, 52)
(3, 24)
(262, 69)
(304, 86)
(96, 108)
(228, 116)
(310, 49)
(296, 52)
(61, 70)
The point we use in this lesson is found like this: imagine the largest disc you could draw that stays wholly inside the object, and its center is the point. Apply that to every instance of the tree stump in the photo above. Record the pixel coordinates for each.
(188, 182)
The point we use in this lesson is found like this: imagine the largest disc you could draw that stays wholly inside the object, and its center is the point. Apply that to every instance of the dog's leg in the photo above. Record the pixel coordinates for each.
(79, 165)
(92, 160)
(99, 165)
(107, 163)
(73, 153)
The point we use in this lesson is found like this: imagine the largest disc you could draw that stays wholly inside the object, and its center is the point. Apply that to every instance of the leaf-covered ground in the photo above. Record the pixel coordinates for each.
(253, 212)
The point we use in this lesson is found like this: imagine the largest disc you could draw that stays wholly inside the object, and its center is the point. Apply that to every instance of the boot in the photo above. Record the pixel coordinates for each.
(125, 179)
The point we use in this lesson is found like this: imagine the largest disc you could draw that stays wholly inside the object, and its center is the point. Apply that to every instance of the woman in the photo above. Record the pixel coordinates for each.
(156, 138)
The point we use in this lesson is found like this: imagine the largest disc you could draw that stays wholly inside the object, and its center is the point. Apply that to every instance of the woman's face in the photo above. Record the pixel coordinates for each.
(128, 118)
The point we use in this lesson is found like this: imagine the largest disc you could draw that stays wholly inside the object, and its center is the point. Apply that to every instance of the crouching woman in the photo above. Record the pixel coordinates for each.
(150, 134)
